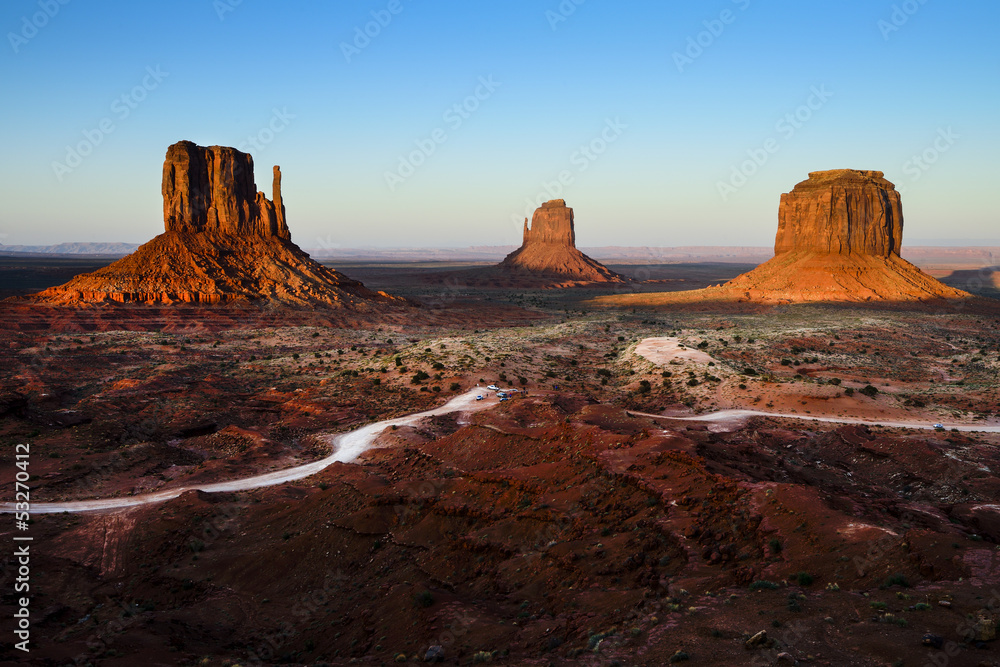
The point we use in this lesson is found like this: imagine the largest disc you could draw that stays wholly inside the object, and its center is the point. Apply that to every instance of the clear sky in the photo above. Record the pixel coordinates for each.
(670, 99)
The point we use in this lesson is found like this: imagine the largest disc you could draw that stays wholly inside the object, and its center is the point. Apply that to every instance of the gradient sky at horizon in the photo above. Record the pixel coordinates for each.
(232, 69)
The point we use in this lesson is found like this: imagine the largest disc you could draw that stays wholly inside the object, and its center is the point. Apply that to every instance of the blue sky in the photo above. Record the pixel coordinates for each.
(687, 112)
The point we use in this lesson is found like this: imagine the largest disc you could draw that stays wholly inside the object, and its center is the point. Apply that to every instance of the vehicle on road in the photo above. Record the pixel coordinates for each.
(479, 397)
(493, 387)
(940, 426)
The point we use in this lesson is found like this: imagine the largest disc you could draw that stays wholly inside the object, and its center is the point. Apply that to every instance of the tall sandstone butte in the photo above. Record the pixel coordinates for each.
(224, 242)
(549, 249)
(839, 236)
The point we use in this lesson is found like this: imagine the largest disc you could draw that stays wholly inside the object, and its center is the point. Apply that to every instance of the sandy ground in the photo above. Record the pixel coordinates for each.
(665, 349)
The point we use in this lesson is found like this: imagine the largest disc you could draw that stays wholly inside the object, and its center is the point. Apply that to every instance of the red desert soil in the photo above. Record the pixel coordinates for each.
(588, 538)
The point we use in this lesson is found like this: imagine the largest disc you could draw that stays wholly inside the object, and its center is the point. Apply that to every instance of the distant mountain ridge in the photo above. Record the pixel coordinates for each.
(82, 248)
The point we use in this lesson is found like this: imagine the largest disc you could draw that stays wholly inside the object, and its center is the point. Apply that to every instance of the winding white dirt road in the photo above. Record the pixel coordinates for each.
(346, 447)
(735, 416)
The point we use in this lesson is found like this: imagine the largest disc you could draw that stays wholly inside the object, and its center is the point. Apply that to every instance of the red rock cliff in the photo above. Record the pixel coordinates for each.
(212, 190)
(843, 212)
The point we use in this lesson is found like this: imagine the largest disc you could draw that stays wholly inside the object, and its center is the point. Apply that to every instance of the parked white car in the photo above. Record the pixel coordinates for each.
(493, 387)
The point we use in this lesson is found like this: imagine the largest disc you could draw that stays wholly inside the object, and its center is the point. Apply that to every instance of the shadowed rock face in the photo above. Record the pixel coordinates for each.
(224, 243)
(549, 249)
(212, 190)
(843, 211)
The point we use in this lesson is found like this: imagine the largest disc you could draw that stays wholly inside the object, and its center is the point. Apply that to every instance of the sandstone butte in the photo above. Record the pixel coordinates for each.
(839, 236)
(549, 250)
(224, 243)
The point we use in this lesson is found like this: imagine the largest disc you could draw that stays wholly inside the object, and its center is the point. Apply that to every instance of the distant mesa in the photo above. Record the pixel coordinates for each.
(225, 243)
(839, 237)
(549, 250)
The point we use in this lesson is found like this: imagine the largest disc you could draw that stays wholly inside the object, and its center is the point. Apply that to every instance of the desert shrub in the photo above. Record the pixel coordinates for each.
(644, 387)
(775, 545)
(763, 585)
(869, 391)
(423, 599)
(804, 578)
(849, 391)
(419, 377)
(897, 579)
(454, 386)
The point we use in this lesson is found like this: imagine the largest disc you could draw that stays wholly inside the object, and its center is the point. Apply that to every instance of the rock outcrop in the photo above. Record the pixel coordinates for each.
(225, 242)
(549, 250)
(839, 236)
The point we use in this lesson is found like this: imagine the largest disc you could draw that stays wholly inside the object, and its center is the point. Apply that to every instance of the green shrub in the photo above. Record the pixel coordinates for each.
(762, 584)
(897, 579)
(869, 391)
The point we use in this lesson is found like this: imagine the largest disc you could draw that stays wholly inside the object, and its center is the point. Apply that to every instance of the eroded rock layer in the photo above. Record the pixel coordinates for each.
(842, 212)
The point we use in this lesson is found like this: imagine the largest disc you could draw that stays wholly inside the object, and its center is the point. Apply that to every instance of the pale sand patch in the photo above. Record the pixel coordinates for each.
(665, 349)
